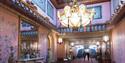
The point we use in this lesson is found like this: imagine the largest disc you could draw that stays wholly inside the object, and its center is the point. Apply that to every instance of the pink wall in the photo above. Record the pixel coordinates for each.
(61, 51)
(54, 44)
(43, 41)
(118, 42)
(9, 26)
(106, 11)
(44, 36)
(8, 34)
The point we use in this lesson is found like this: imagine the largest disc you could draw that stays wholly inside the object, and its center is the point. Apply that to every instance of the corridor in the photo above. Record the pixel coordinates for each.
(62, 31)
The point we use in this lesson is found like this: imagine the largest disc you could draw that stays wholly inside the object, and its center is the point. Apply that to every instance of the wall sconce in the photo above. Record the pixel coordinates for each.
(72, 44)
(97, 43)
(105, 38)
(105, 46)
(60, 40)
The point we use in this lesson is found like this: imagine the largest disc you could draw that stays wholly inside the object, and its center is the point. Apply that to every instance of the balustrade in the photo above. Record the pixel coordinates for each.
(92, 28)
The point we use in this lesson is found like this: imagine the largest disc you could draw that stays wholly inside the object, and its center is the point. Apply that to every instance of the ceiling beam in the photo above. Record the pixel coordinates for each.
(59, 6)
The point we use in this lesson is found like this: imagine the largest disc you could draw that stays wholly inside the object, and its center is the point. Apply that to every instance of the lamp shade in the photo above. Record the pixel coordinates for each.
(105, 38)
(60, 40)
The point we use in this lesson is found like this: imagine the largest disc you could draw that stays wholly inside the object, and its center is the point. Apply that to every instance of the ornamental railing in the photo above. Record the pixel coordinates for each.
(91, 28)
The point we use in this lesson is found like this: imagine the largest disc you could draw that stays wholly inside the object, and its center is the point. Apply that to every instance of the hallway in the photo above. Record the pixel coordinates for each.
(62, 31)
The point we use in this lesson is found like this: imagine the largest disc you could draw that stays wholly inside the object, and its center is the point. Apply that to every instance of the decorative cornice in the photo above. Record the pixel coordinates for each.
(26, 11)
(118, 15)
(87, 2)
(90, 28)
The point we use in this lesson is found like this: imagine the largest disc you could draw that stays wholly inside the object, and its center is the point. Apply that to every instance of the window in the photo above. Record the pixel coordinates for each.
(50, 10)
(98, 11)
(40, 3)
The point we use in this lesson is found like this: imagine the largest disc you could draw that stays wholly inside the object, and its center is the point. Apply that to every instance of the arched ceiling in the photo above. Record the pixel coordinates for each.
(83, 36)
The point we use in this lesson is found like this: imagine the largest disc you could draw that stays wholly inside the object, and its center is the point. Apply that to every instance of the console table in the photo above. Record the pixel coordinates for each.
(32, 60)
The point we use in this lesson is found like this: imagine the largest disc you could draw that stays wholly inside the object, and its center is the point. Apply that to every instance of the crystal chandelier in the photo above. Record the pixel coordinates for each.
(76, 15)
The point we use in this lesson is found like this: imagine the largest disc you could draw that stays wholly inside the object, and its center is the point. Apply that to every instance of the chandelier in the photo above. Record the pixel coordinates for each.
(76, 15)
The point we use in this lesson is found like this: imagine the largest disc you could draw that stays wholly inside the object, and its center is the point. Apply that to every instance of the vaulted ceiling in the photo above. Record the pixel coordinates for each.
(61, 3)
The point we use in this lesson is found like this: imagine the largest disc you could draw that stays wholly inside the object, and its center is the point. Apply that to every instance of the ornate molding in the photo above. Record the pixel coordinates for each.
(118, 15)
(28, 12)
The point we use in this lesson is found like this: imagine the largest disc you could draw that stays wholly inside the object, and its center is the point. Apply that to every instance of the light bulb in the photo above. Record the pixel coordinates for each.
(75, 19)
(67, 11)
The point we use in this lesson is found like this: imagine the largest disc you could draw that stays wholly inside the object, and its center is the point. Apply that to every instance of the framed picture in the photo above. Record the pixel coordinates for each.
(50, 9)
(98, 11)
(40, 3)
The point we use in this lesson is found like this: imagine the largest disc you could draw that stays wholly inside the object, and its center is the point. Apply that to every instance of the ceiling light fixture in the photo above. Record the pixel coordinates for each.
(76, 15)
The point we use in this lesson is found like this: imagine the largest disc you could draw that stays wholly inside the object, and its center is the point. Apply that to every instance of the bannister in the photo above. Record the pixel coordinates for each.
(92, 28)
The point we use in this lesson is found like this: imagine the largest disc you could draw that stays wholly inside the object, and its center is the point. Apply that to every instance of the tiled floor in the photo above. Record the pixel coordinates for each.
(81, 61)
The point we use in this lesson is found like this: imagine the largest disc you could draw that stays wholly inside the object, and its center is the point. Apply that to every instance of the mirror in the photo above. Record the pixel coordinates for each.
(28, 45)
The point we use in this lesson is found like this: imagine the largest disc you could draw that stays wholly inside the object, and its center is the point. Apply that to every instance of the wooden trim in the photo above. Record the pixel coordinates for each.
(59, 6)
(120, 14)
(19, 39)
(37, 38)
(30, 21)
